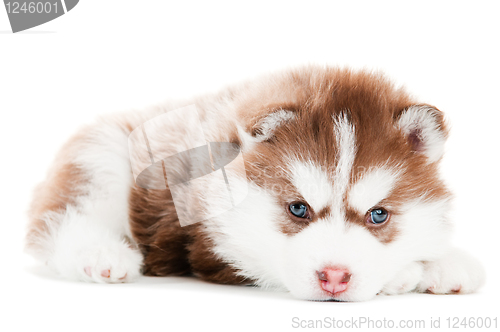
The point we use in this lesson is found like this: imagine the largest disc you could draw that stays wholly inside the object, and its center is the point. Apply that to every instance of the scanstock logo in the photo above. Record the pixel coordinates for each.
(171, 153)
(24, 15)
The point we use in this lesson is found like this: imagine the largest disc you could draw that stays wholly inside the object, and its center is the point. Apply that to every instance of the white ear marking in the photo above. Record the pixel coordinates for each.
(266, 127)
(423, 126)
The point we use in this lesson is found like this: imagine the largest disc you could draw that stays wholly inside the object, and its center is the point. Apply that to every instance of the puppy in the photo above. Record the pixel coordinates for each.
(335, 193)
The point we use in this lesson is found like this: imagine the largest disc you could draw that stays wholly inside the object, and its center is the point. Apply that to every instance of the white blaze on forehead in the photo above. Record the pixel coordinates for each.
(345, 139)
(313, 184)
(372, 188)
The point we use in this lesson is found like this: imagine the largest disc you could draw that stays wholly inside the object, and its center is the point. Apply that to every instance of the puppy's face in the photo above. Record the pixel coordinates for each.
(343, 186)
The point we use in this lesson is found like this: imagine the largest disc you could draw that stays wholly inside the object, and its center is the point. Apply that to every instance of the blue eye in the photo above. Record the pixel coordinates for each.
(299, 210)
(378, 216)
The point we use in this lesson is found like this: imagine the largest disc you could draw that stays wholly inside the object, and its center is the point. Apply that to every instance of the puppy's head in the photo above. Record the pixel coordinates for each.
(343, 185)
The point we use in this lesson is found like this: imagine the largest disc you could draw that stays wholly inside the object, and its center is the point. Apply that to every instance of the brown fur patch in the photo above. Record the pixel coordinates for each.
(324, 212)
(168, 248)
(64, 183)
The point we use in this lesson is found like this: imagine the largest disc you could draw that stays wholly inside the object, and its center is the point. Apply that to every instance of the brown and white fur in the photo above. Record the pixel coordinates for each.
(342, 142)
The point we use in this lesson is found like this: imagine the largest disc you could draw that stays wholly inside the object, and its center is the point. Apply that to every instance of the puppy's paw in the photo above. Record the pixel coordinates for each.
(86, 251)
(109, 263)
(405, 281)
(456, 272)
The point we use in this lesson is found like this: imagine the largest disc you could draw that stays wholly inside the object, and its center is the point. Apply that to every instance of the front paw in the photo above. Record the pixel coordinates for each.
(110, 263)
(456, 272)
(405, 281)
(105, 260)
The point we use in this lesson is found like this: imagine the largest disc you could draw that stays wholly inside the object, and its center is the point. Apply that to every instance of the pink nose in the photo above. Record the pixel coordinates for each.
(334, 280)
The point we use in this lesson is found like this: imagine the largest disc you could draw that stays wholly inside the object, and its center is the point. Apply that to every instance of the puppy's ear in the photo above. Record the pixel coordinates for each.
(262, 128)
(265, 127)
(425, 129)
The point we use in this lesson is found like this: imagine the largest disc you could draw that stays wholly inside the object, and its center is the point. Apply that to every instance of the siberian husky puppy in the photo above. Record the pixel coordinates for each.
(336, 187)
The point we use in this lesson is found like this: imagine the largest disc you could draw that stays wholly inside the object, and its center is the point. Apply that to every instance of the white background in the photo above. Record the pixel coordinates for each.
(105, 56)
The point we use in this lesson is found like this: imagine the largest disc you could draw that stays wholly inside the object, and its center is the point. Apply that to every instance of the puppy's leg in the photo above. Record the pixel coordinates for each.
(85, 248)
(455, 272)
(406, 280)
(79, 215)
